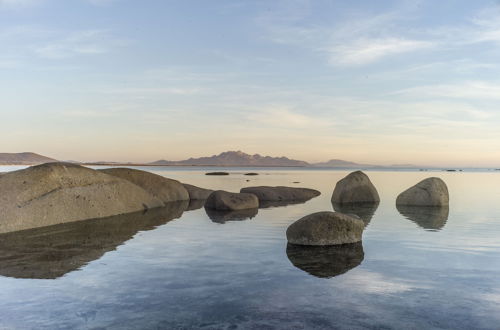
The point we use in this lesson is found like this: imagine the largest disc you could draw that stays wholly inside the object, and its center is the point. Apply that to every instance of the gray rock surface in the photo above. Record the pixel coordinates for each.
(281, 194)
(167, 190)
(355, 188)
(326, 261)
(55, 193)
(325, 228)
(428, 192)
(227, 201)
(196, 193)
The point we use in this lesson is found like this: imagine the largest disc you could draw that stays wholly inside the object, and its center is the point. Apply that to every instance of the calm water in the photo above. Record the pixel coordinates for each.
(171, 269)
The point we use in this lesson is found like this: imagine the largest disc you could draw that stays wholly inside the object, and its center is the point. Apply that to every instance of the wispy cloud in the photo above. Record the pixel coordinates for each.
(365, 51)
(283, 116)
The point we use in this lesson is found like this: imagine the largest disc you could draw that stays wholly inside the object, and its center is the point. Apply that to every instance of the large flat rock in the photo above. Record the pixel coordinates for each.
(167, 190)
(57, 193)
(281, 193)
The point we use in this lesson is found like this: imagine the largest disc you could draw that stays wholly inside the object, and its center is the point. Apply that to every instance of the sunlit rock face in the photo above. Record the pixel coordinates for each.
(166, 190)
(365, 211)
(428, 217)
(225, 216)
(428, 192)
(227, 201)
(57, 193)
(326, 261)
(281, 193)
(355, 188)
(53, 251)
(326, 228)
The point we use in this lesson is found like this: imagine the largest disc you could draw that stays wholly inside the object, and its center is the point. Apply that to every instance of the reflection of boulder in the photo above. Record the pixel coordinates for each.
(195, 204)
(268, 204)
(51, 252)
(326, 261)
(427, 217)
(365, 211)
(223, 216)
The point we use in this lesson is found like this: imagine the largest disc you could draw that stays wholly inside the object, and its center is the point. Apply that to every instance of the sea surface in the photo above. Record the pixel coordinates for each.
(186, 269)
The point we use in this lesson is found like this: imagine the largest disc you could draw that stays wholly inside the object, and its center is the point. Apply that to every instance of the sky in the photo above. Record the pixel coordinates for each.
(380, 82)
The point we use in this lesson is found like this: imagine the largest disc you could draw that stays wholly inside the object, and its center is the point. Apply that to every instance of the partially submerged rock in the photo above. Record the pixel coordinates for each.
(326, 261)
(55, 193)
(428, 192)
(197, 192)
(431, 218)
(325, 228)
(217, 173)
(53, 251)
(167, 190)
(225, 216)
(251, 174)
(227, 201)
(281, 194)
(355, 188)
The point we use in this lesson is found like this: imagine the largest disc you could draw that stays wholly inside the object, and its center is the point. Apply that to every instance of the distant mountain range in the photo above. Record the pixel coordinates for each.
(24, 158)
(228, 158)
(235, 158)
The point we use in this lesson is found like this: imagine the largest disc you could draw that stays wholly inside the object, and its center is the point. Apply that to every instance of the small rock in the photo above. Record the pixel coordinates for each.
(355, 188)
(217, 173)
(227, 201)
(224, 216)
(325, 228)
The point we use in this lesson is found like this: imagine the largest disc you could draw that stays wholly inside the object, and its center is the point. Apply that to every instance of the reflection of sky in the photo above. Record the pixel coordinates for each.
(192, 272)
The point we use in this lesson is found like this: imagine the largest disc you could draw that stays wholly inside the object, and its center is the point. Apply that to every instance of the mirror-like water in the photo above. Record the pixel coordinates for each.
(183, 267)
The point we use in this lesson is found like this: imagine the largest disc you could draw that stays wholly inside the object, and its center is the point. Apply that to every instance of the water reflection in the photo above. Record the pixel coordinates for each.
(195, 204)
(365, 211)
(51, 252)
(269, 204)
(326, 261)
(428, 217)
(224, 216)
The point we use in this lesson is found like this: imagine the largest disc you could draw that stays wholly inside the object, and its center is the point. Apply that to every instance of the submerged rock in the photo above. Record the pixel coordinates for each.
(355, 188)
(428, 192)
(227, 201)
(217, 173)
(225, 216)
(53, 251)
(55, 193)
(280, 194)
(251, 174)
(197, 192)
(325, 228)
(326, 261)
(167, 190)
(365, 211)
(427, 217)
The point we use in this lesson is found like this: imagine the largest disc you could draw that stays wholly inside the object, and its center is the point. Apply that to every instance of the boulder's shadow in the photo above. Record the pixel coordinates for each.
(431, 218)
(53, 251)
(365, 211)
(326, 261)
(224, 216)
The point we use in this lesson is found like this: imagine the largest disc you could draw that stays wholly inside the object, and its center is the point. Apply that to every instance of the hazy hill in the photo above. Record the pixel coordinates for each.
(235, 158)
(341, 163)
(24, 158)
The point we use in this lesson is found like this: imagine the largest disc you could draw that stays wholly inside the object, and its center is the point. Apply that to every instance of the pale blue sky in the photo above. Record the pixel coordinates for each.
(370, 81)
